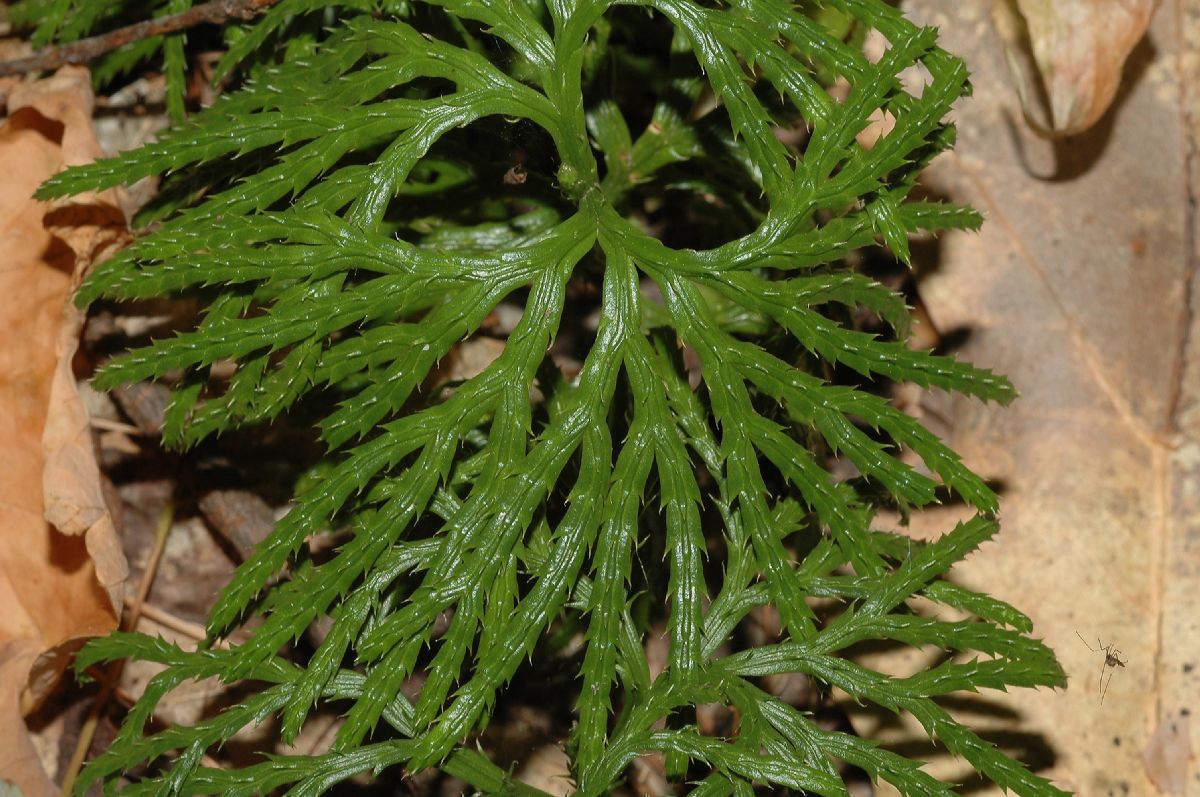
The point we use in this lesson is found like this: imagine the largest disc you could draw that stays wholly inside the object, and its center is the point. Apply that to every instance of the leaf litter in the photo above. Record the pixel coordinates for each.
(61, 566)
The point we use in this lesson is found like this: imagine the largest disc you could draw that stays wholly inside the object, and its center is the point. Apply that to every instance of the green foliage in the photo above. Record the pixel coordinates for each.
(347, 221)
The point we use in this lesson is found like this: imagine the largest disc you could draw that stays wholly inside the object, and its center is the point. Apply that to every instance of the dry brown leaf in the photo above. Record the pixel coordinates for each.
(647, 776)
(468, 359)
(58, 586)
(1067, 56)
(1079, 290)
(548, 768)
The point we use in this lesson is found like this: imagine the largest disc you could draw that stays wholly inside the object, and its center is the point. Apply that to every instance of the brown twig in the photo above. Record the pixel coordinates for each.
(193, 631)
(214, 12)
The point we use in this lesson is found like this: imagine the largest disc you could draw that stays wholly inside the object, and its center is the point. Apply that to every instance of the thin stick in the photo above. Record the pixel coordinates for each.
(193, 631)
(114, 426)
(109, 682)
(84, 50)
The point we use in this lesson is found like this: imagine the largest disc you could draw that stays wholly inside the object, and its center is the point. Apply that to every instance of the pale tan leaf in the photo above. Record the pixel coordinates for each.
(1067, 56)
(58, 586)
(469, 358)
(548, 768)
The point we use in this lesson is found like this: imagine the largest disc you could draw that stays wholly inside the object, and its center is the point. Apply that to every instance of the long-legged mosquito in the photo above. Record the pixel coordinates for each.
(1112, 659)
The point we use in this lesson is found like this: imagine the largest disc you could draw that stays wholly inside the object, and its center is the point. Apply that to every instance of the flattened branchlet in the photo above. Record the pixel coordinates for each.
(691, 190)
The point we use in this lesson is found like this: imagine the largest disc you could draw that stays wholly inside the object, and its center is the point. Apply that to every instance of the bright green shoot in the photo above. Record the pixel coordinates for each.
(344, 219)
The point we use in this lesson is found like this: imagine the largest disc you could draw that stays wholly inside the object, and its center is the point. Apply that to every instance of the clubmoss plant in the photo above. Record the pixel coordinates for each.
(670, 191)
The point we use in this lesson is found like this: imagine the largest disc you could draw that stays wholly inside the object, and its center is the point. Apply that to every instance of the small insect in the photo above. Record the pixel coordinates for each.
(516, 175)
(1112, 659)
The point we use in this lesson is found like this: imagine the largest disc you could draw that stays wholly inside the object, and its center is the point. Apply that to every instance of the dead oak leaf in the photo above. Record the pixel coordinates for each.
(1067, 56)
(60, 585)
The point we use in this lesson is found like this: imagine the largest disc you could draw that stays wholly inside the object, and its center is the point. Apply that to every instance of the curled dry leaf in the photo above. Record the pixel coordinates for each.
(1067, 55)
(61, 567)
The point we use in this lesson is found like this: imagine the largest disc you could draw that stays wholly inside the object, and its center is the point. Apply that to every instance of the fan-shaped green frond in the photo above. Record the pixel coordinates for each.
(352, 216)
